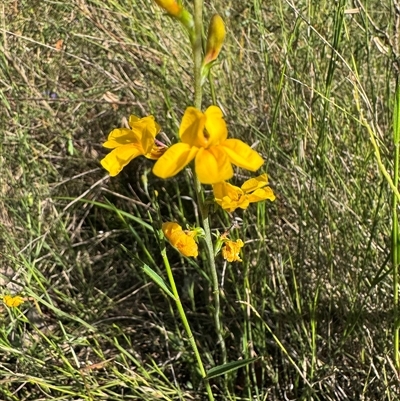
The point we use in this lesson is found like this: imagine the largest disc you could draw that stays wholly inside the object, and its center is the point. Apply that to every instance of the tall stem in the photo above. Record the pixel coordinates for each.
(185, 322)
(197, 51)
(197, 58)
(395, 226)
(213, 269)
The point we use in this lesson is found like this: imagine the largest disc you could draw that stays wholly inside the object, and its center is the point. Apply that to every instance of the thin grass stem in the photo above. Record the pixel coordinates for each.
(395, 225)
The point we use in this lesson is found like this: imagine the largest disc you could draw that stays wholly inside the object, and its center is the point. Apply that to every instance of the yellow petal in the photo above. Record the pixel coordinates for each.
(215, 126)
(117, 159)
(170, 227)
(121, 136)
(242, 155)
(231, 205)
(191, 130)
(146, 123)
(174, 160)
(261, 194)
(255, 183)
(185, 244)
(212, 165)
(224, 189)
(219, 189)
(146, 130)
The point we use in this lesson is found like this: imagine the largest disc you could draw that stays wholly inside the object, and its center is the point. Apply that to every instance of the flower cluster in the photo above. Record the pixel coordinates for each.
(204, 140)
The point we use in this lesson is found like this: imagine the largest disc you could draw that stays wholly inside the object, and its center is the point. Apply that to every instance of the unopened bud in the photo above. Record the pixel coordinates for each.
(176, 10)
(215, 39)
(171, 7)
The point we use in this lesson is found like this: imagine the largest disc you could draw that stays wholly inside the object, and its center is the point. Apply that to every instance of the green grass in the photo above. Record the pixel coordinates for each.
(313, 298)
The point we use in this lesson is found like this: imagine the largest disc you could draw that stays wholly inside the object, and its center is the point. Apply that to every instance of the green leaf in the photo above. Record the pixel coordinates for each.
(158, 280)
(396, 115)
(228, 367)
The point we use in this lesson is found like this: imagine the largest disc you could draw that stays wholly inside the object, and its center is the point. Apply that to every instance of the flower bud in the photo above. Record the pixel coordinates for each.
(171, 7)
(176, 10)
(215, 39)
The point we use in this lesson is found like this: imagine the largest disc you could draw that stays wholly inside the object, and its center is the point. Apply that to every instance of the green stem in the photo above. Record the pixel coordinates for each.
(197, 51)
(185, 322)
(213, 268)
(395, 226)
(198, 58)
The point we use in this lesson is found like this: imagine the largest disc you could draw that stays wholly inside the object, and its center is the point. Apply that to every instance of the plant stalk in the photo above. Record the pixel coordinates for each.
(198, 58)
(185, 322)
(395, 227)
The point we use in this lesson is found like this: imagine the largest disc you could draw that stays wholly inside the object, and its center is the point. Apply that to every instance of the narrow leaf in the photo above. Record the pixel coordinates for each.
(228, 367)
(396, 114)
(158, 280)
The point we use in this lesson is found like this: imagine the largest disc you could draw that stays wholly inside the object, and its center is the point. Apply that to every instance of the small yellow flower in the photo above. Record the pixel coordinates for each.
(215, 38)
(13, 302)
(130, 143)
(204, 138)
(183, 241)
(230, 197)
(231, 249)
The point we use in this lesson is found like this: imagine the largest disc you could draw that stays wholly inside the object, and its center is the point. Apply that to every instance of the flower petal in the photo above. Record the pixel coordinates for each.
(121, 136)
(191, 130)
(144, 124)
(117, 159)
(147, 129)
(174, 160)
(170, 227)
(212, 165)
(222, 189)
(215, 126)
(231, 205)
(261, 194)
(255, 183)
(242, 155)
(185, 244)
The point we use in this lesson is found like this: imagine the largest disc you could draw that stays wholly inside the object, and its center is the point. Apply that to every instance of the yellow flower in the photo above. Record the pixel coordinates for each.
(215, 38)
(204, 138)
(230, 197)
(13, 302)
(183, 241)
(231, 249)
(130, 143)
